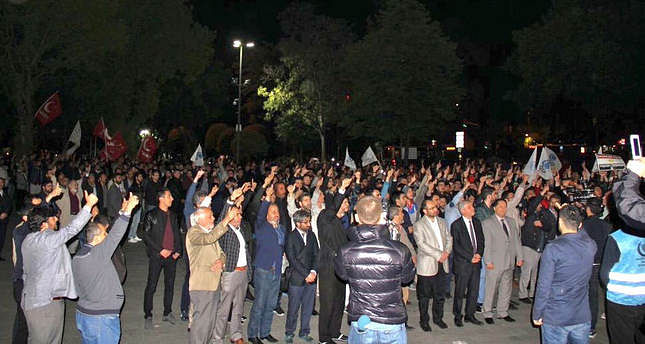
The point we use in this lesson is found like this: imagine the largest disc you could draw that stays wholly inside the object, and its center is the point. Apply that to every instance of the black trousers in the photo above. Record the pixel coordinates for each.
(466, 286)
(432, 287)
(155, 265)
(20, 329)
(594, 285)
(185, 295)
(626, 324)
(3, 234)
(332, 304)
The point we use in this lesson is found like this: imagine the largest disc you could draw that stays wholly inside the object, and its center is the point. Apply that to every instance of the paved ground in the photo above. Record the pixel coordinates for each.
(132, 315)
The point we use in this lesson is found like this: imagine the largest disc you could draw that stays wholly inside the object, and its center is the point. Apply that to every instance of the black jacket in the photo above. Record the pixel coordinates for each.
(462, 247)
(375, 268)
(154, 225)
(151, 189)
(598, 230)
(537, 237)
(332, 231)
(629, 201)
(302, 258)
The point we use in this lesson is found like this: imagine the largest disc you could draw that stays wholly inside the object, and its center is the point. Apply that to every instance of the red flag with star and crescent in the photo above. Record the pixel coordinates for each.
(115, 146)
(147, 150)
(50, 109)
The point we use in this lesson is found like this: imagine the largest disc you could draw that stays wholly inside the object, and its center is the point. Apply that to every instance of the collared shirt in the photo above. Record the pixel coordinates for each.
(241, 259)
(502, 222)
(434, 224)
(303, 234)
(470, 228)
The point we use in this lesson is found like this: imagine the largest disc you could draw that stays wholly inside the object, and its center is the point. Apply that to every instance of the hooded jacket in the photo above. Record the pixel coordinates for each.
(375, 267)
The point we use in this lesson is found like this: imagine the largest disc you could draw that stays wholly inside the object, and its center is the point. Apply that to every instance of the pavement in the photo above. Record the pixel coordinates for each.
(132, 320)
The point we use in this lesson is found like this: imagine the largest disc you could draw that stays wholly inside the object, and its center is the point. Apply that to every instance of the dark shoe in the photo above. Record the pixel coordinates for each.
(249, 296)
(169, 318)
(307, 339)
(592, 333)
(442, 325)
(426, 328)
(255, 340)
(147, 325)
(408, 327)
(2, 259)
(270, 338)
(526, 300)
(315, 313)
(458, 322)
(508, 318)
(471, 319)
(342, 338)
(278, 311)
(243, 319)
(288, 338)
(489, 321)
(479, 308)
(184, 316)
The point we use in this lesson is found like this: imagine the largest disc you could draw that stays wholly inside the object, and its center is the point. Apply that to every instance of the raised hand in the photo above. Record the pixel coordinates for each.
(237, 193)
(90, 199)
(214, 190)
(291, 188)
(129, 204)
(345, 184)
(198, 176)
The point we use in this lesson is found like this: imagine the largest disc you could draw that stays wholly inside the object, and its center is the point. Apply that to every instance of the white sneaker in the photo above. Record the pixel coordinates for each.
(134, 240)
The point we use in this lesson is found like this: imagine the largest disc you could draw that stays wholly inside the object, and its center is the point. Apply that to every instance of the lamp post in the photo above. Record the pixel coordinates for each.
(238, 127)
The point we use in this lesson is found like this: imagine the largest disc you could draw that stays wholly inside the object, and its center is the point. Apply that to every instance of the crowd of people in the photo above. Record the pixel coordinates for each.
(276, 227)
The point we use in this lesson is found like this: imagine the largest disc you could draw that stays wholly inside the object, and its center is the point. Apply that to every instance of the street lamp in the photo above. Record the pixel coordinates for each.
(238, 127)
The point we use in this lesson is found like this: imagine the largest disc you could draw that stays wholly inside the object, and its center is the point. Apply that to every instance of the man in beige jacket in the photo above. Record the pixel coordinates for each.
(206, 264)
(434, 247)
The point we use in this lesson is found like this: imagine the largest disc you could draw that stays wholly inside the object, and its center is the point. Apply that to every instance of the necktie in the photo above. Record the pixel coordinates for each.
(473, 240)
(504, 226)
(304, 238)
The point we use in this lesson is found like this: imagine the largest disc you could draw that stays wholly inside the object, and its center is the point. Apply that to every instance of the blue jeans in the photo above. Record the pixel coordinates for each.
(376, 333)
(482, 284)
(98, 329)
(300, 298)
(267, 286)
(572, 334)
(134, 224)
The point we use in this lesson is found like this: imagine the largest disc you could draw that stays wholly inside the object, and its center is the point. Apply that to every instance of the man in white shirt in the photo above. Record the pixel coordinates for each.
(434, 247)
(236, 275)
(502, 252)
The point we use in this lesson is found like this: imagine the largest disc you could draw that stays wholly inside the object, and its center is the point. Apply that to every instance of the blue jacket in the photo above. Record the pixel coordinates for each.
(562, 293)
(269, 242)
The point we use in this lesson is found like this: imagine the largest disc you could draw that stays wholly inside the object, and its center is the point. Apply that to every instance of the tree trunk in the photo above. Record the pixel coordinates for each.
(24, 140)
(323, 152)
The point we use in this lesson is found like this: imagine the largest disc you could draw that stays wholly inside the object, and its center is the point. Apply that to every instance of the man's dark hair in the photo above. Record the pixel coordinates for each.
(497, 202)
(571, 216)
(91, 231)
(162, 192)
(102, 219)
(486, 192)
(506, 193)
(197, 197)
(37, 216)
(396, 196)
(595, 205)
(302, 196)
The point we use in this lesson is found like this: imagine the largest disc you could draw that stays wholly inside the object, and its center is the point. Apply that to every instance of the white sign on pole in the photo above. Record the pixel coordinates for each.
(459, 139)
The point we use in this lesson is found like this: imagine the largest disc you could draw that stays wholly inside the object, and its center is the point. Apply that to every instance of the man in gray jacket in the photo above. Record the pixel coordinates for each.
(100, 295)
(47, 272)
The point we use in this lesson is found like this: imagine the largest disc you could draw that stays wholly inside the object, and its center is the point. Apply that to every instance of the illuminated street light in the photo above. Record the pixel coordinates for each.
(238, 127)
(144, 132)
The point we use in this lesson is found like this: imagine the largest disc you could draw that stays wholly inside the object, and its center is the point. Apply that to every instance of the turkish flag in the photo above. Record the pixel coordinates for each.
(147, 150)
(114, 147)
(50, 109)
(99, 129)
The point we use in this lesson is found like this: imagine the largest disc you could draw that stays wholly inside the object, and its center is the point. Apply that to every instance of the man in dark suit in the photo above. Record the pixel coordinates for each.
(468, 248)
(302, 253)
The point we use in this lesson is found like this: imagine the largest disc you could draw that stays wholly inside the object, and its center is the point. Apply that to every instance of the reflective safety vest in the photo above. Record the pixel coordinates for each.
(626, 285)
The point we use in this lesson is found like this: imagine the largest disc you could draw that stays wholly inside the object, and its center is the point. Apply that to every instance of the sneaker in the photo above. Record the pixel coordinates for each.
(278, 311)
(243, 319)
(169, 318)
(288, 338)
(184, 316)
(603, 316)
(342, 338)
(412, 287)
(133, 240)
(592, 333)
(307, 339)
(147, 325)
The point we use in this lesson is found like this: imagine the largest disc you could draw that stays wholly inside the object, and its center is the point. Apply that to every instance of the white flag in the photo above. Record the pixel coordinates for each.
(349, 162)
(529, 168)
(368, 157)
(75, 138)
(198, 156)
(548, 164)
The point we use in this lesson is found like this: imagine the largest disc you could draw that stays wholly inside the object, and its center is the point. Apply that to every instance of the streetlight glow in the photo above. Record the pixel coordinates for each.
(237, 43)
(250, 45)
(144, 132)
(238, 127)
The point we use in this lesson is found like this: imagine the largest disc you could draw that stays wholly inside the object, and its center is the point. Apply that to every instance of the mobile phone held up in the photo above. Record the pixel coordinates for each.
(635, 142)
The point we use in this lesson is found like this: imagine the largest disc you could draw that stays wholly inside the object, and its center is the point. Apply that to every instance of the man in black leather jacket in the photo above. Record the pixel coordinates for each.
(375, 267)
(164, 246)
